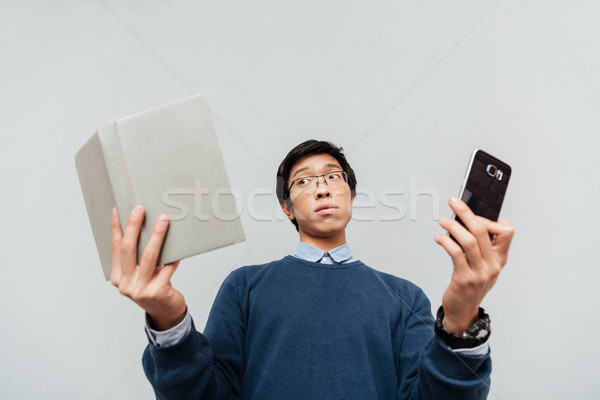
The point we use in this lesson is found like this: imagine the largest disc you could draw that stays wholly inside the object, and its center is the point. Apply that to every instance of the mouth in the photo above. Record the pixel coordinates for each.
(326, 209)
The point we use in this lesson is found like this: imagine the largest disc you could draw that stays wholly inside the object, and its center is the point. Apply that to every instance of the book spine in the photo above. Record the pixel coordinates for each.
(99, 197)
(118, 173)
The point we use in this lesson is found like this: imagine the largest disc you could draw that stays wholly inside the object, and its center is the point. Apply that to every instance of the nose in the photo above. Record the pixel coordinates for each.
(322, 188)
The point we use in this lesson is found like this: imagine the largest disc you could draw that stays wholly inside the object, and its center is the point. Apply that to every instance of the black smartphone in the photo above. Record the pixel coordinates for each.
(484, 186)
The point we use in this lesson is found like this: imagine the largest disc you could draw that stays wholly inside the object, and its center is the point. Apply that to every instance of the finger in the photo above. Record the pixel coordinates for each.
(485, 221)
(465, 239)
(152, 250)
(454, 251)
(474, 225)
(117, 236)
(130, 240)
(117, 232)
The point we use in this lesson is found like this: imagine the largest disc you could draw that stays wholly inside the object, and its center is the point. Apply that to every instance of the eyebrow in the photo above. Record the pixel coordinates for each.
(308, 168)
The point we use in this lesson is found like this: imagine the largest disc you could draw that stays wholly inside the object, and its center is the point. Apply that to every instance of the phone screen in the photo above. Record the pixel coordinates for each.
(485, 185)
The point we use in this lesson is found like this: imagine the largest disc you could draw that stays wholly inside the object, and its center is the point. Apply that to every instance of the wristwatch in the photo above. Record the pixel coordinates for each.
(476, 334)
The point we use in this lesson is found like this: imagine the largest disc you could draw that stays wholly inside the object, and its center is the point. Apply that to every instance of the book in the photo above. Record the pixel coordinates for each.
(167, 159)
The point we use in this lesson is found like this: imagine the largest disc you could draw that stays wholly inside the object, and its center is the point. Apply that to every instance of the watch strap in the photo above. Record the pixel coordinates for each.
(476, 334)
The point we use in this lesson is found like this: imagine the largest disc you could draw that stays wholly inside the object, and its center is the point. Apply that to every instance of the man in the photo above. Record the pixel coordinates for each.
(320, 324)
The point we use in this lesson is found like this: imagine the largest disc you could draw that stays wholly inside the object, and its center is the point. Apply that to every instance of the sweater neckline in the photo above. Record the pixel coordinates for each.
(323, 265)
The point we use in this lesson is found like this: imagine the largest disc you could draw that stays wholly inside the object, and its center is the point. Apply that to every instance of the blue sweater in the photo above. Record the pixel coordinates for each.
(296, 329)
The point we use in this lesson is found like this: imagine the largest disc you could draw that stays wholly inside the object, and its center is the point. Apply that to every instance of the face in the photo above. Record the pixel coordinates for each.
(306, 203)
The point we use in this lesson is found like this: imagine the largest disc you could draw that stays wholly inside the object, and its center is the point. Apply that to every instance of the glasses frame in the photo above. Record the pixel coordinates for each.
(344, 176)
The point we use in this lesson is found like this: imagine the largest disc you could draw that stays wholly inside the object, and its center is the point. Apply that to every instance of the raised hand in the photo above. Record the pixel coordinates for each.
(146, 284)
(477, 262)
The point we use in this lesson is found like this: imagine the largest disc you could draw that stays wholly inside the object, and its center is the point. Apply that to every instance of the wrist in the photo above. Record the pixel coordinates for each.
(476, 334)
(460, 324)
(163, 322)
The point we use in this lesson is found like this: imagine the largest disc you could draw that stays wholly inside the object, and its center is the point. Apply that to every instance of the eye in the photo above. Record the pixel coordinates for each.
(334, 176)
(303, 181)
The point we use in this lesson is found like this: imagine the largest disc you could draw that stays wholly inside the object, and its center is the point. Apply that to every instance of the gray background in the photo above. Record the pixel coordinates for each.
(408, 88)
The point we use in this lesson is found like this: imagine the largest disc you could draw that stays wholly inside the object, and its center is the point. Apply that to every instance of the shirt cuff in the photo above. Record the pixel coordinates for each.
(480, 350)
(171, 336)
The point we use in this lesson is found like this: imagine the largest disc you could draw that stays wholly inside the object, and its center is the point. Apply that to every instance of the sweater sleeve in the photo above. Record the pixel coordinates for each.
(202, 366)
(430, 370)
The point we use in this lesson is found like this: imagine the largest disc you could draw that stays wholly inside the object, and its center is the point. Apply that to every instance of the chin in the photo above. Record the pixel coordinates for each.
(326, 228)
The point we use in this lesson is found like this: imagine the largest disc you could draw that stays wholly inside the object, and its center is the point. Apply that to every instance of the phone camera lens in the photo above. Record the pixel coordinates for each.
(491, 170)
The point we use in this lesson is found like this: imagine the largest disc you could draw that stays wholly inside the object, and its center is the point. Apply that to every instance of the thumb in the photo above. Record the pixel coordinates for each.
(503, 232)
(166, 272)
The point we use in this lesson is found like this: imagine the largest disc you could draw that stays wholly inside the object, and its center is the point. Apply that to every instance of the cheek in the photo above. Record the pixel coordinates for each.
(349, 206)
(344, 200)
(302, 203)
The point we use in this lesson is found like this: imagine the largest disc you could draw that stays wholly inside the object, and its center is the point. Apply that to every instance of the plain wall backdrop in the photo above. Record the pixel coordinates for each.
(408, 88)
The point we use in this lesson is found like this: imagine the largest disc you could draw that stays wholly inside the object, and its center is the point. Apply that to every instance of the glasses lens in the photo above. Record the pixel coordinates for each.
(336, 178)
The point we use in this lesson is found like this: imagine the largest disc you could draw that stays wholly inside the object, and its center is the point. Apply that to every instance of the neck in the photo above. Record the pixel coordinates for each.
(324, 243)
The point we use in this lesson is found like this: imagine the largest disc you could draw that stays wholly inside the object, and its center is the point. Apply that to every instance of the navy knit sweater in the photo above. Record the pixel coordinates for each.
(295, 329)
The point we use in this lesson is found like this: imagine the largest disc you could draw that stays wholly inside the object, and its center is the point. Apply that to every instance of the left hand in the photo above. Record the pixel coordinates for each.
(476, 268)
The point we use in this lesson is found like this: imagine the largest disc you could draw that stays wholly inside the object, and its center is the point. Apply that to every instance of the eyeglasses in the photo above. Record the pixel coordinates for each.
(332, 179)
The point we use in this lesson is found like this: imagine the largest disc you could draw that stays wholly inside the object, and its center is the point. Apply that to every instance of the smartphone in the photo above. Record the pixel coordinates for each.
(484, 186)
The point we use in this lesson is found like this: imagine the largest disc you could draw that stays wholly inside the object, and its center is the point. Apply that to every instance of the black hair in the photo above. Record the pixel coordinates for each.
(303, 149)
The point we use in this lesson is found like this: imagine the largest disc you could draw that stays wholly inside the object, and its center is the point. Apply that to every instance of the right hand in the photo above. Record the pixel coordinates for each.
(147, 284)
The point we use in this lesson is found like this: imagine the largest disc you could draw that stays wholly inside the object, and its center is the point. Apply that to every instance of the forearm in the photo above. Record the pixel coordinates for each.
(195, 368)
(186, 370)
(446, 374)
(429, 369)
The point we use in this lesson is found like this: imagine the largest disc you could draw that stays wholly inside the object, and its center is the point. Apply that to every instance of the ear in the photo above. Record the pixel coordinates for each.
(287, 210)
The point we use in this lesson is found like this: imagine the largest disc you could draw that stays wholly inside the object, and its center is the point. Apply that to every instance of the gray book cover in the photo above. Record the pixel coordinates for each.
(168, 159)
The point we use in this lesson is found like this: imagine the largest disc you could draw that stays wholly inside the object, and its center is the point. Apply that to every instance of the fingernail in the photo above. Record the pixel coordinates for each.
(454, 200)
(137, 209)
(163, 221)
(114, 211)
